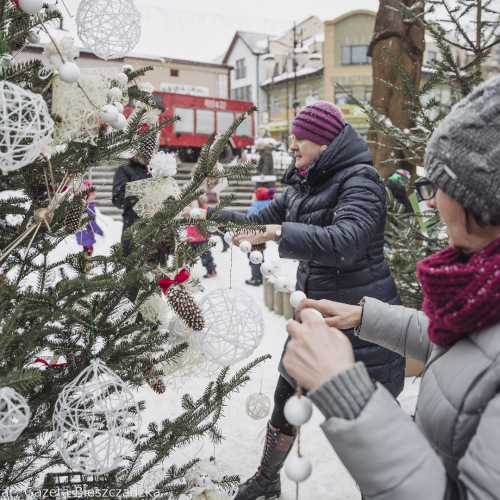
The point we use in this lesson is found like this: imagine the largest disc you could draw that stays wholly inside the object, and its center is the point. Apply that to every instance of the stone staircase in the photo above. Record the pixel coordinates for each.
(102, 178)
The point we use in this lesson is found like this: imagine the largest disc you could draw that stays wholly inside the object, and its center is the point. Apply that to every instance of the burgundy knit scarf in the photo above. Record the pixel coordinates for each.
(460, 297)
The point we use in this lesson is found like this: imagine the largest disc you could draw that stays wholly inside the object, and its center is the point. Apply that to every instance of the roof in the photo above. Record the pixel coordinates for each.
(256, 42)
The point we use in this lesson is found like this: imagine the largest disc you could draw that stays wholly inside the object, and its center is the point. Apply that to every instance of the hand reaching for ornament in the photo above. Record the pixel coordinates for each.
(336, 314)
(316, 351)
(256, 237)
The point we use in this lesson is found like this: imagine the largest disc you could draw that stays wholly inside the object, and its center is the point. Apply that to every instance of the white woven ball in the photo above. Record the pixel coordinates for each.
(258, 405)
(31, 6)
(69, 72)
(120, 123)
(297, 468)
(297, 297)
(234, 326)
(282, 284)
(266, 269)
(245, 246)
(96, 421)
(26, 126)
(256, 257)
(110, 29)
(109, 113)
(14, 414)
(297, 410)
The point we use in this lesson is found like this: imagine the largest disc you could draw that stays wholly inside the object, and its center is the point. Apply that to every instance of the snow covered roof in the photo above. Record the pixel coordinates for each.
(289, 76)
(256, 42)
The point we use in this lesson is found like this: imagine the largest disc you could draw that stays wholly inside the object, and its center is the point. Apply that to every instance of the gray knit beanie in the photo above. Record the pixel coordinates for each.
(463, 153)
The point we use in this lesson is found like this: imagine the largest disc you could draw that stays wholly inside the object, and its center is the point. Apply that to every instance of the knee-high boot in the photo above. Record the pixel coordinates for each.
(266, 481)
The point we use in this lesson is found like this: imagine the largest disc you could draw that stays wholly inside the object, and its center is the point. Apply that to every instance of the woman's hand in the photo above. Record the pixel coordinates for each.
(256, 237)
(315, 352)
(336, 314)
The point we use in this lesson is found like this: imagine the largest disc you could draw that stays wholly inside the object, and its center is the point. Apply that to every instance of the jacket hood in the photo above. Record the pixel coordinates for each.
(346, 150)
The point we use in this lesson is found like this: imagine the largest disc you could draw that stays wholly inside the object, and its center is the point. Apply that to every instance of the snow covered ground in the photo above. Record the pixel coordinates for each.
(243, 443)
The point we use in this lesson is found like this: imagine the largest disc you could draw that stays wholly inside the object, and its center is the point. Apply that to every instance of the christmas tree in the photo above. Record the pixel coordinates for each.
(61, 318)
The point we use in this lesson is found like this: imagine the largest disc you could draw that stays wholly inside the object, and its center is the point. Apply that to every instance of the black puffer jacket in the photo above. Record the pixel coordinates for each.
(333, 224)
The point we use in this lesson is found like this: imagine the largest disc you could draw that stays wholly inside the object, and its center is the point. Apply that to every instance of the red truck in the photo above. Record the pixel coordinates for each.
(201, 116)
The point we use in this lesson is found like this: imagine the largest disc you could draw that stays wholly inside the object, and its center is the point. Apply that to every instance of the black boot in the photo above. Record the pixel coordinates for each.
(266, 482)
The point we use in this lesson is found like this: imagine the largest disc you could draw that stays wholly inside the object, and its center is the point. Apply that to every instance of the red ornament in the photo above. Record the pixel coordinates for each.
(54, 365)
(179, 278)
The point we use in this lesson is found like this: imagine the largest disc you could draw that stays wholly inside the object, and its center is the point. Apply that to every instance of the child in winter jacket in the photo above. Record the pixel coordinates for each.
(86, 237)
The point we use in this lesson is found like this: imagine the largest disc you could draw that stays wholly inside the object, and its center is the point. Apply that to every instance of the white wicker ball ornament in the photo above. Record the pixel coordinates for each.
(245, 246)
(119, 106)
(14, 414)
(298, 469)
(266, 269)
(26, 126)
(234, 326)
(96, 421)
(110, 29)
(258, 406)
(69, 72)
(195, 213)
(228, 238)
(256, 257)
(282, 284)
(109, 113)
(31, 6)
(297, 297)
(122, 78)
(297, 410)
(120, 123)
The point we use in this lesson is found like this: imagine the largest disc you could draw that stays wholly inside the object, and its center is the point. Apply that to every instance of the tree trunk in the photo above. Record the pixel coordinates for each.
(406, 42)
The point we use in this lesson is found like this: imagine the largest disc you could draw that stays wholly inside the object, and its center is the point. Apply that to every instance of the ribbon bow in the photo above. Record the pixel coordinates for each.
(179, 278)
(55, 365)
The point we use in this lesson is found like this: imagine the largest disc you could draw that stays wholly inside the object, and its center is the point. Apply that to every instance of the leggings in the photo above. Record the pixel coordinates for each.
(284, 391)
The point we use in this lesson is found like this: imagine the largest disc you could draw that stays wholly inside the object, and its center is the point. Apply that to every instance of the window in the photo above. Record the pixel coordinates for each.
(205, 121)
(243, 93)
(241, 69)
(355, 54)
(224, 120)
(174, 72)
(222, 86)
(342, 97)
(186, 123)
(245, 129)
(368, 95)
(431, 56)
(276, 104)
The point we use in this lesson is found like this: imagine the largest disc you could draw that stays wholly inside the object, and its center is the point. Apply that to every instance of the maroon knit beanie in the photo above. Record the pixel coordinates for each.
(320, 122)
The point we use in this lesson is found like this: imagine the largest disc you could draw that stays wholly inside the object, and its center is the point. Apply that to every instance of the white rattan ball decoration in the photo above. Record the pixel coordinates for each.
(298, 469)
(258, 405)
(25, 124)
(120, 123)
(109, 113)
(14, 414)
(282, 284)
(110, 29)
(266, 269)
(234, 326)
(297, 410)
(31, 6)
(96, 421)
(69, 72)
(256, 257)
(297, 297)
(245, 246)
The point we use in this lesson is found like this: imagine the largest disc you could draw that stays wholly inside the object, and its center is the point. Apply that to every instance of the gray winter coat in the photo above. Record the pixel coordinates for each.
(333, 224)
(453, 451)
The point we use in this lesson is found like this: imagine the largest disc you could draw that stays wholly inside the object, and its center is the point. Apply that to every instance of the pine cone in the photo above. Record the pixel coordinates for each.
(157, 385)
(146, 148)
(74, 215)
(182, 302)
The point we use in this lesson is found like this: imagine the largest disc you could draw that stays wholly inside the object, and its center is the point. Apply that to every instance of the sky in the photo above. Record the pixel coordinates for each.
(202, 30)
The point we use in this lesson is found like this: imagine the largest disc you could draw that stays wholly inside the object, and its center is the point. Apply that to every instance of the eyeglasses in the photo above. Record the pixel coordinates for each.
(425, 188)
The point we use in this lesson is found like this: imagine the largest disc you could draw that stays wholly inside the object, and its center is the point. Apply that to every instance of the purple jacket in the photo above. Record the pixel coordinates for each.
(86, 236)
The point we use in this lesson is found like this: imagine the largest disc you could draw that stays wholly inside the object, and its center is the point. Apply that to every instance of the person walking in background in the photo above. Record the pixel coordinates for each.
(260, 198)
(451, 448)
(86, 237)
(266, 163)
(399, 183)
(330, 219)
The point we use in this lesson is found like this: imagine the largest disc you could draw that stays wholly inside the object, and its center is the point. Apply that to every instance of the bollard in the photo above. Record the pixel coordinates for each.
(270, 294)
(288, 309)
(278, 302)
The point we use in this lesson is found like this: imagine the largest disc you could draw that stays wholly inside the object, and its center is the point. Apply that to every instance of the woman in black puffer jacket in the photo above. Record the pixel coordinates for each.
(331, 219)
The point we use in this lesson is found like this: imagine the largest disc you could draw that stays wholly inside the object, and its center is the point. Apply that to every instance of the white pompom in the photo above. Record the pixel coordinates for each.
(115, 94)
(256, 257)
(120, 122)
(69, 72)
(297, 297)
(55, 60)
(109, 113)
(122, 78)
(119, 106)
(194, 213)
(245, 246)
(266, 269)
(31, 6)
(228, 238)
(162, 164)
(298, 469)
(203, 480)
(298, 410)
(127, 67)
(282, 284)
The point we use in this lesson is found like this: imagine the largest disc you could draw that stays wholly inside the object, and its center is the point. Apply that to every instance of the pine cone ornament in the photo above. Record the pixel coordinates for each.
(183, 303)
(146, 148)
(74, 215)
(157, 385)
